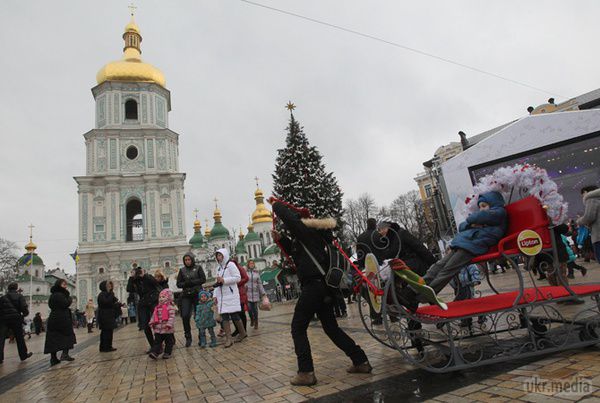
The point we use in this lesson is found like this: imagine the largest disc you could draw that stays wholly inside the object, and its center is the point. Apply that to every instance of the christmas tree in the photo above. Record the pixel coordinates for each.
(300, 176)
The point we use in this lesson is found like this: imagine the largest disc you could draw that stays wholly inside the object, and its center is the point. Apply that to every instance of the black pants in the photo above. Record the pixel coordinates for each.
(106, 339)
(17, 330)
(159, 339)
(313, 300)
(145, 314)
(188, 308)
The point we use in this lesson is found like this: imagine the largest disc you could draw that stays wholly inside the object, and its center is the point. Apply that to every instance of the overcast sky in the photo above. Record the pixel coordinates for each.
(375, 111)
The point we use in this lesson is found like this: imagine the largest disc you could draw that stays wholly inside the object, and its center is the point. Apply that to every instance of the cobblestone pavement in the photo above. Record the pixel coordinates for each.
(259, 368)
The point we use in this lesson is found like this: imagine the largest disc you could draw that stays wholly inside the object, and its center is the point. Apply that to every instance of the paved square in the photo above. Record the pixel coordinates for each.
(259, 369)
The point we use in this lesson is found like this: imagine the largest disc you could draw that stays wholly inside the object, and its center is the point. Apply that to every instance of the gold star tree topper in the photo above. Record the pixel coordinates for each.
(290, 106)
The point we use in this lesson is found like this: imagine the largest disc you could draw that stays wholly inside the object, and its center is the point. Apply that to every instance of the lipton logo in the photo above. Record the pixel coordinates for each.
(529, 242)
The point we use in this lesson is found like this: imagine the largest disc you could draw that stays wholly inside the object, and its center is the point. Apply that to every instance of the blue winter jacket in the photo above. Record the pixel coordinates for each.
(478, 240)
(582, 234)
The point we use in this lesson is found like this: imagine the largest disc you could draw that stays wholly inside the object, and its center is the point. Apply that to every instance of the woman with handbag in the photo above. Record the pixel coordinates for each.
(190, 279)
(256, 291)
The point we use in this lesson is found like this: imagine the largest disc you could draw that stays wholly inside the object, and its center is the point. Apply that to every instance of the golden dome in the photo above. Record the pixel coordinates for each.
(261, 214)
(30, 246)
(217, 215)
(131, 67)
(197, 225)
(207, 230)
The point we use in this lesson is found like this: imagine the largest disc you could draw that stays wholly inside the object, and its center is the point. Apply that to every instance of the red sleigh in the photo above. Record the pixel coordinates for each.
(525, 321)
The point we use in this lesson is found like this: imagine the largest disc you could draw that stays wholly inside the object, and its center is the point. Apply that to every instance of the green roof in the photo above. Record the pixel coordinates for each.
(218, 231)
(37, 261)
(251, 236)
(197, 240)
(240, 248)
(269, 275)
(271, 250)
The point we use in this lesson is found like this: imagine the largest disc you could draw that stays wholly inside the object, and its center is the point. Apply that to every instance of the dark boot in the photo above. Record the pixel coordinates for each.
(90, 327)
(241, 331)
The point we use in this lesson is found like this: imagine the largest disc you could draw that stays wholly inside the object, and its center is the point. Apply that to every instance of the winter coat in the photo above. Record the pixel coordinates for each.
(108, 305)
(403, 245)
(570, 253)
(131, 310)
(13, 307)
(582, 235)
(228, 294)
(163, 317)
(478, 240)
(561, 248)
(369, 242)
(190, 279)
(591, 216)
(205, 317)
(90, 311)
(59, 328)
(313, 239)
(255, 287)
(146, 287)
(242, 285)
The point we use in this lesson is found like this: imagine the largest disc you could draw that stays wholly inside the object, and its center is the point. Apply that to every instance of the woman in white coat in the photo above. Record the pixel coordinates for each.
(228, 296)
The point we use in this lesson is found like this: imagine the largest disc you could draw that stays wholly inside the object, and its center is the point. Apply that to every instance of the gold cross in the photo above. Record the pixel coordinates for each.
(256, 179)
(31, 227)
(196, 211)
(216, 200)
(132, 9)
(290, 106)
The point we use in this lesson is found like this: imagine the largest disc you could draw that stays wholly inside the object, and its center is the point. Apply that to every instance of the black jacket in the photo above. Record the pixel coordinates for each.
(13, 307)
(312, 238)
(190, 279)
(403, 245)
(369, 242)
(107, 306)
(561, 248)
(146, 287)
(59, 332)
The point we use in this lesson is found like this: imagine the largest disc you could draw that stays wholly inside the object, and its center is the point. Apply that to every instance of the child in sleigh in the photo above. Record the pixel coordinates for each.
(481, 230)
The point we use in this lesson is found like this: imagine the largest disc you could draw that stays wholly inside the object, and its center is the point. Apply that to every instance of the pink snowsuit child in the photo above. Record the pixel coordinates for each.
(163, 324)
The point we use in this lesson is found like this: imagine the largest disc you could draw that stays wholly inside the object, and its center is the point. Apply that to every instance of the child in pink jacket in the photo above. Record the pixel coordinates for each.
(162, 322)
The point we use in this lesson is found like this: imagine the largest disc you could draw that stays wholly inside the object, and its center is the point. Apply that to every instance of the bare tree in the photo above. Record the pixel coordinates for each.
(8, 262)
(356, 214)
(408, 211)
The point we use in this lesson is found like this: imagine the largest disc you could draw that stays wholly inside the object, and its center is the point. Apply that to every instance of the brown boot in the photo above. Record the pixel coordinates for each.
(304, 379)
(364, 368)
(256, 323)
(241, 331)
(251, 322)
(227, 329)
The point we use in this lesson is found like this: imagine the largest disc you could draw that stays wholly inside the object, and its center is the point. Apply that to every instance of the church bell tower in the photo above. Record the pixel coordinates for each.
(131, 199)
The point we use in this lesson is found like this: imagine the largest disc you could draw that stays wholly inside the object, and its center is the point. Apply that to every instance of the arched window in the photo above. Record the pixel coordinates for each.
(131, 110)
(135, 221)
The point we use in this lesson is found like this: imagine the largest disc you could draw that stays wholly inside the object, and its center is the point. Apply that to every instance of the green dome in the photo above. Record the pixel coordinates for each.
(197, 241)
(271, 250)
(37, 261)
(219, 232)
(251, 236)
(240, 248)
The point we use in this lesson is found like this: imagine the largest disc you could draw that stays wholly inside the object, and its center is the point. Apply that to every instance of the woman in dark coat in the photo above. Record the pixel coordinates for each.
(107, 306)
(59, 333)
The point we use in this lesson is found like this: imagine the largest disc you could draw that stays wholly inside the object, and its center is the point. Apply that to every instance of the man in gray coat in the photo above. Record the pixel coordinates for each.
(591, 216)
